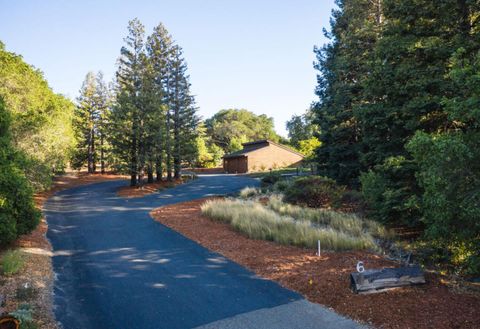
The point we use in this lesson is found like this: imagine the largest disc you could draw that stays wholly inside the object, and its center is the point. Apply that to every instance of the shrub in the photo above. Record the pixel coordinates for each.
(282, 185)
(316, 192)
(391, 192)
(449, 173)
(24, 314)
(270, 179)
(18, 214)
(12, 262)
(259, 222)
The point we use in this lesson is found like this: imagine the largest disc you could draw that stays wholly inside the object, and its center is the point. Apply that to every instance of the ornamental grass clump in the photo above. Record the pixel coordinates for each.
(344, 222)
(12, 262)
(260, 222)
(248, 192)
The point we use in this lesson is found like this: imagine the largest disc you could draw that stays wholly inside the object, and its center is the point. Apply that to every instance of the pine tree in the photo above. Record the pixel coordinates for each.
(343, 66)
(85, 124)
(183, 111)
(127, 114)
(103, 104)
(160, 50)
(90, 123)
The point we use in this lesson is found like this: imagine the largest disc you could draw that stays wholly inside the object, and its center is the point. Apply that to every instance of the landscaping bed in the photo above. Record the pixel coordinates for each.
(325, 279)
(32, 285)
(147, 188)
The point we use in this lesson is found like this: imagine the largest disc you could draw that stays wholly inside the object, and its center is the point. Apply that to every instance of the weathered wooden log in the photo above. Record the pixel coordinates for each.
(371, 281)
(9, 322)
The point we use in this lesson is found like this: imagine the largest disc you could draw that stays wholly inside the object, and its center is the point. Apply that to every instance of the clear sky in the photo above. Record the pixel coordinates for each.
(248, 54)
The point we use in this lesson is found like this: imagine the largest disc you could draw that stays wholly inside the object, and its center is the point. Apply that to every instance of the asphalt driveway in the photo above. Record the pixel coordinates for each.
(117, 268)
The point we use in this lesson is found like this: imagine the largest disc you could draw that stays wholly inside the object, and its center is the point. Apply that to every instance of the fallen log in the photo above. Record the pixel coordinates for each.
(377, 280)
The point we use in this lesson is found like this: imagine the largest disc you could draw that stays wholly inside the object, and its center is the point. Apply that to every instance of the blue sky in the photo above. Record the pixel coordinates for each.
(248, 54)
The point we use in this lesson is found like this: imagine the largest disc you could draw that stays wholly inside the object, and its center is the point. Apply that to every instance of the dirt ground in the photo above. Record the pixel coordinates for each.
(37, 273)
(325, 280)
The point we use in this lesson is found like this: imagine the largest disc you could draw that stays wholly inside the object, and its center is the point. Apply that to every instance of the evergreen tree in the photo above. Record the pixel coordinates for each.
(160, 52)
(103, 104)
(183, 112)
(343, 66)
(90, 123)
(127, 113)
(86, 117)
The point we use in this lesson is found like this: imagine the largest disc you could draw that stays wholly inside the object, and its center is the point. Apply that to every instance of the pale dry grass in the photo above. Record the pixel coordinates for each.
(344, 222)
(261, 222)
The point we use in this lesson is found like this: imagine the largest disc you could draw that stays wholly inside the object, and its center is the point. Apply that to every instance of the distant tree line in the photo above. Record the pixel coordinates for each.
(398, 111)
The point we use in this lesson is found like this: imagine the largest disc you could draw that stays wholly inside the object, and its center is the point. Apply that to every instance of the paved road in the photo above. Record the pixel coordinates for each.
(117, 268)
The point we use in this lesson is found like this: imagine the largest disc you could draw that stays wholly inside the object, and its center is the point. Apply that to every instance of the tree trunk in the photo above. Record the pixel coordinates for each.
(150, 172)
(102, 155)
(133, 157)
(91, 152)
(159, 167)
(169, 148)
(176, 135)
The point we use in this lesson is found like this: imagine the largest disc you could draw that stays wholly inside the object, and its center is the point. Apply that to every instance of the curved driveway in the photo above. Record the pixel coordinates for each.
(117, 268)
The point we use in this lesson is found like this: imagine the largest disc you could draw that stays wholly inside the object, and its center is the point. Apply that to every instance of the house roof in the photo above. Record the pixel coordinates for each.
(253, 146)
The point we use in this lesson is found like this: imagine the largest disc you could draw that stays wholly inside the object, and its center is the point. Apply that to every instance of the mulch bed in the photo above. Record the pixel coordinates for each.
(37, 271)
(146, 189)
(325, 280)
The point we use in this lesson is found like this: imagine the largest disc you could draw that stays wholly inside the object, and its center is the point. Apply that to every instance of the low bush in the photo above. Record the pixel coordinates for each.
(24, 314)
(260, 222)
(315, 192)
(282, 185)
(12, 262)
(270, 179)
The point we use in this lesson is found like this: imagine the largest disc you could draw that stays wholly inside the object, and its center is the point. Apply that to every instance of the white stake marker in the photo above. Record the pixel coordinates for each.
(319, 249)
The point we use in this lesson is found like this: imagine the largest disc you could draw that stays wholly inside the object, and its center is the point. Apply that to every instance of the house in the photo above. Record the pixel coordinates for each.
(261, 155)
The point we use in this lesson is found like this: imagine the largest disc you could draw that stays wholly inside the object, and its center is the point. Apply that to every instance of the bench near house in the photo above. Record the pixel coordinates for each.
(261, 155)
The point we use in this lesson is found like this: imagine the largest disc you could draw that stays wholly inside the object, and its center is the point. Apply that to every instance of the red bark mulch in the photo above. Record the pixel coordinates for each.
(146, 189)
(325, 279)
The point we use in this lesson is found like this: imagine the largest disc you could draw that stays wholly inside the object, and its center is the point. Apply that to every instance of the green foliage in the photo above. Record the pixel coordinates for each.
(301, 128)
(41, 120)
(391, 192)
(24, 314)
(18, 214)
(394, 104)
(308, 147)
(343, 66)
(12, 262)
(315, 191)
(270, 179)
(90, 124)
(230, 128)
(450, 176)
(154, 126)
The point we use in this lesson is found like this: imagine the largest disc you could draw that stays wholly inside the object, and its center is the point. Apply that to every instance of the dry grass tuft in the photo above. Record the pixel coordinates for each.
(261, 222)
